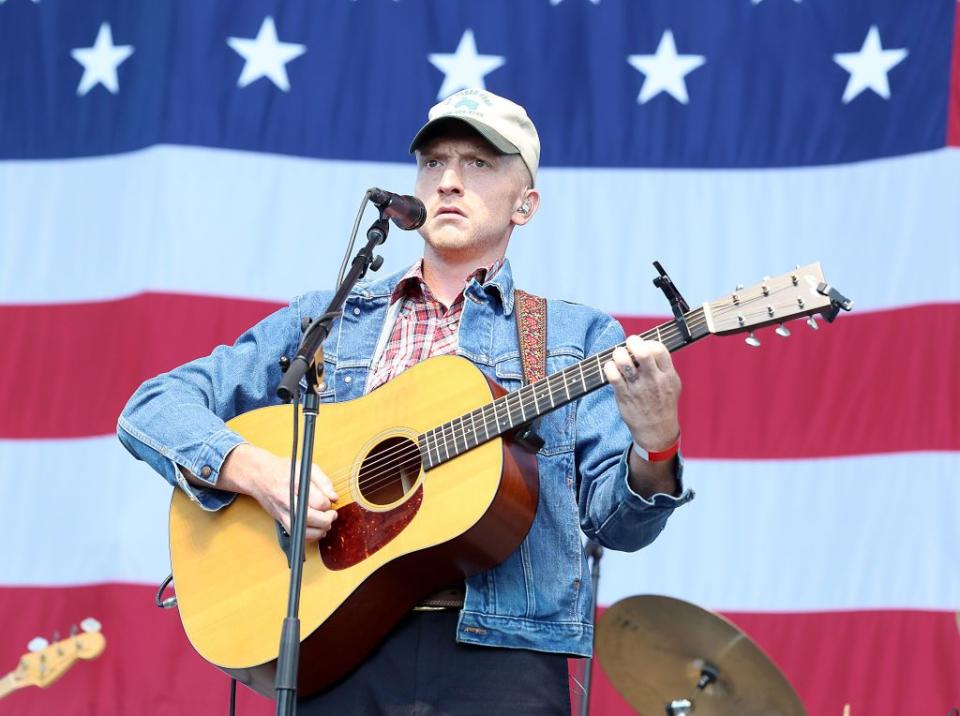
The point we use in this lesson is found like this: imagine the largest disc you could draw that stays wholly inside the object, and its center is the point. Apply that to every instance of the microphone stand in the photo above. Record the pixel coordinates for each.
(594, 553)
(306, 364)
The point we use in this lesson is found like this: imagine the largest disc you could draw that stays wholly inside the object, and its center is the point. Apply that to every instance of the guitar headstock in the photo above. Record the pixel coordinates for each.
(45, 664)
(801, 292)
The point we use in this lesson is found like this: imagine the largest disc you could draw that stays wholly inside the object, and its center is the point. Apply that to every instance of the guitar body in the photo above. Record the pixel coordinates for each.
(401, 534)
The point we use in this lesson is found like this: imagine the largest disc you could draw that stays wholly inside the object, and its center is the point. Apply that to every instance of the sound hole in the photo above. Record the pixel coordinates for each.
(389, 471)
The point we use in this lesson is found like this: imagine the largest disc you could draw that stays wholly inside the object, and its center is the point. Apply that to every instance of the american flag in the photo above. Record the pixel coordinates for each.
(172, 171)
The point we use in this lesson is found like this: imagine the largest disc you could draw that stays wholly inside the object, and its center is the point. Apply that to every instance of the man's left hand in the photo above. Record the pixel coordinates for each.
(647, 390)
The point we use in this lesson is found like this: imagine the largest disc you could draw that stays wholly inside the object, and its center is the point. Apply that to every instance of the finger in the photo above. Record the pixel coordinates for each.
(624, 363)
(643, 354)
(613, 375)
(319, 479)
(654, 349)
(321, 519)
(318, 498)
(312, 535)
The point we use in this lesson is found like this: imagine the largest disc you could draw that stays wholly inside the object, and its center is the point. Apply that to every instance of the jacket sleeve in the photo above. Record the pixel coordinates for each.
(176, 420)
(610, 511)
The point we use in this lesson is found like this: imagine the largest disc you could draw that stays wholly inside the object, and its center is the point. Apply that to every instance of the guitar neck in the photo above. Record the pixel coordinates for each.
(517, 408)
(9, 684)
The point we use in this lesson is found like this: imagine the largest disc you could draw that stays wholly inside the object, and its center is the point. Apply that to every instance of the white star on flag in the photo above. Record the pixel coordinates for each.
(464, 69)
(868, 68)
(665, 70)
(100, 62)
(266, 56)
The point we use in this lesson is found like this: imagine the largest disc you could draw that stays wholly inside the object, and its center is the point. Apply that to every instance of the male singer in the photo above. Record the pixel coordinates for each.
(609, 466)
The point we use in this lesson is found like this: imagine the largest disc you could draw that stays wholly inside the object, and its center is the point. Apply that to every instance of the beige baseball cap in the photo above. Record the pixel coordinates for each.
(501, 122)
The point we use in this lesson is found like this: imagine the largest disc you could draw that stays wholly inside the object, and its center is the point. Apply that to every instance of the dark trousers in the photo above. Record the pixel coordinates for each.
(420, 670)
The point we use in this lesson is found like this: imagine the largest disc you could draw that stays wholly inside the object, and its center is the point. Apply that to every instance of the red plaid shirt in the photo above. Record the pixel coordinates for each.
(423, 326)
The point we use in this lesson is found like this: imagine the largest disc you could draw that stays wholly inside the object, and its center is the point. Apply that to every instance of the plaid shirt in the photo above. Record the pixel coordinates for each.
(423, 326)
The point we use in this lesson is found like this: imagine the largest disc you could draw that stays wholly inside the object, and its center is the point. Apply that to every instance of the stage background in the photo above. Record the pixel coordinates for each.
(172, 171)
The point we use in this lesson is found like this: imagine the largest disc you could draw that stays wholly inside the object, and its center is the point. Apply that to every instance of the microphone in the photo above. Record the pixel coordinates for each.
(406, 212)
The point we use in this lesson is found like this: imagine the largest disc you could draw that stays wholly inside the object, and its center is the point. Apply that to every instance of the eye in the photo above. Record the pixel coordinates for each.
(431, 163)
(480, 162)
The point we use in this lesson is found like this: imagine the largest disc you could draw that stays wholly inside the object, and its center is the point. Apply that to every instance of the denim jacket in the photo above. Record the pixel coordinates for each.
(540, 597)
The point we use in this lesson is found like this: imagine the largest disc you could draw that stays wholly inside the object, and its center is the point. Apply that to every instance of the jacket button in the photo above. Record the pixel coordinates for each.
(205, 471)
(356, 311)
(347, 379)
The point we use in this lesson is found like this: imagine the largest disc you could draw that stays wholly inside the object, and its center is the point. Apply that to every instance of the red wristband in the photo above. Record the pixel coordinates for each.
(658, 455)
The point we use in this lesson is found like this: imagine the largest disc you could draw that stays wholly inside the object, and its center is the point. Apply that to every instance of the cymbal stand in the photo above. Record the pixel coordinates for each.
(594, 553)
(683, 707)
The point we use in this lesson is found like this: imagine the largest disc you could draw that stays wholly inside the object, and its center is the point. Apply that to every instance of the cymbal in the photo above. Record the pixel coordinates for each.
(655, 649)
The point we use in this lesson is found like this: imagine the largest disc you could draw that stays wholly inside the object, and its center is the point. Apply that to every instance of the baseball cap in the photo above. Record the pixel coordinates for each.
(501, 122)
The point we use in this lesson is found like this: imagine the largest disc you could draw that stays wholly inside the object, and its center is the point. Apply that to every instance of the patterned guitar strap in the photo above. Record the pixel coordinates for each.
(531, 315)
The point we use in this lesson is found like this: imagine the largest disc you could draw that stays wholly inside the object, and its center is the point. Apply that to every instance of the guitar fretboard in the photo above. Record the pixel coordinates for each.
(517, 408)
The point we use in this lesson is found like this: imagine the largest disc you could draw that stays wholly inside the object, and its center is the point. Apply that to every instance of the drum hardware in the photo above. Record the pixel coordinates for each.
(668, 656)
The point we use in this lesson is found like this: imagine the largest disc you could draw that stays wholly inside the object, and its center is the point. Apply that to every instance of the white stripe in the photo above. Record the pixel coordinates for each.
(865, 532)
(806, 535)
(80, 511)
(235, 223)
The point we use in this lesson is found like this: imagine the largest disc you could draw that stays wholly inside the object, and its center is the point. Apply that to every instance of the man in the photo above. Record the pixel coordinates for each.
(608, 465)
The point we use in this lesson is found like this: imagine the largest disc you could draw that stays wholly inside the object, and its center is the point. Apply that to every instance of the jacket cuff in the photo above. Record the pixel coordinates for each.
(206, 468)
(657, 500)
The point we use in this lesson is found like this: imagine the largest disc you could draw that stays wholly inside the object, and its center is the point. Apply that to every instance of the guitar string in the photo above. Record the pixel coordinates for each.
(409, 454)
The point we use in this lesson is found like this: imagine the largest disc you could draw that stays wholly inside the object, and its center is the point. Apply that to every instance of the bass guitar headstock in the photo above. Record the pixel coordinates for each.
(44, 663)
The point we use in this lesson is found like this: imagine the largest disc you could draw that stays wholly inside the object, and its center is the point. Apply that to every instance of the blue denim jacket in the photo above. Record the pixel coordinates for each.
(540, 597)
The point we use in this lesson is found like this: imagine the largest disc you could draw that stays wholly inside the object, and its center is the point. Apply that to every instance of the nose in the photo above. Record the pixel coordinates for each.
(451, 182)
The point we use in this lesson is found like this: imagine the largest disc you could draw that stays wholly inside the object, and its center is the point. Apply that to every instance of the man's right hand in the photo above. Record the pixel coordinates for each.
(253, 471)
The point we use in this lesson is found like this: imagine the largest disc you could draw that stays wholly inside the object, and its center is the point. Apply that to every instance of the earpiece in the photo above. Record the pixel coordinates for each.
(524, 208)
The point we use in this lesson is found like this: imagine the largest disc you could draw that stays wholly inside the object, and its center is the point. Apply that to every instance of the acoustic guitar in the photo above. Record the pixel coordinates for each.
(46, 663)
(432, 489)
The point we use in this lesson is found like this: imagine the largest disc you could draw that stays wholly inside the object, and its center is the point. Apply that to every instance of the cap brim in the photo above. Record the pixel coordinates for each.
(433, 128)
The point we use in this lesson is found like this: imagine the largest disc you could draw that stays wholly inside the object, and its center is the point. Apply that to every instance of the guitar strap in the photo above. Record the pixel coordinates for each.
(531, 334)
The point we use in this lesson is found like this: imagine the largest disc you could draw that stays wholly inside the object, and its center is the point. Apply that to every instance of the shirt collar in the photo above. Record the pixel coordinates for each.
(411, 283)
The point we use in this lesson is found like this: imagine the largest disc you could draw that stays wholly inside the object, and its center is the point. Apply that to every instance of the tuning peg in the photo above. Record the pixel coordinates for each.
(38, 643)
(782, 331)
(752, 341)
(812, 322)
(90, 625)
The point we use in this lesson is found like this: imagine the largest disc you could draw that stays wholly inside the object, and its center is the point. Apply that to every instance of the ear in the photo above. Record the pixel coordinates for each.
(529, 204)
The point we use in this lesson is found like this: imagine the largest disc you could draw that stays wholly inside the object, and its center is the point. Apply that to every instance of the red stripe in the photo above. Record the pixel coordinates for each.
(953, 112)
(869, 383)
(73, 366)
(883, 662)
